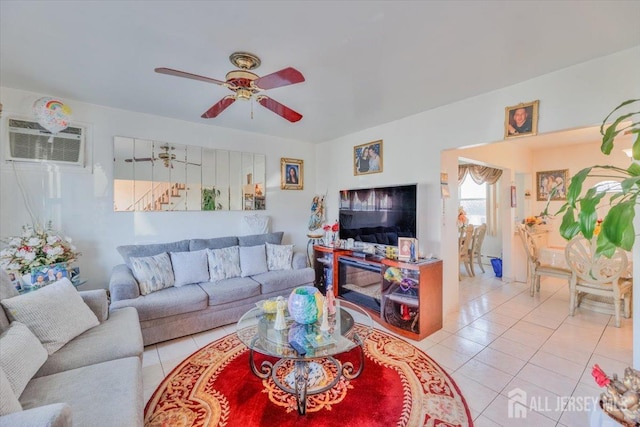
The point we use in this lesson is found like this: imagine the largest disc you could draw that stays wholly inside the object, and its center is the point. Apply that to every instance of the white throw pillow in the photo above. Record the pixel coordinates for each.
(279, 257)
(153, 272)
(253, 260)
(55, 314)
(8, 400)
(21, 355)
(224, 263)
(190, 267)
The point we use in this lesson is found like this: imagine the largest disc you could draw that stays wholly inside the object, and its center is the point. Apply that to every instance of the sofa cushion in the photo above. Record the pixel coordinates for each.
(21, 355)
(224, 263)
(279, 256)
(105, 394)
(116, 338)
(7, 290)
(253, 260)
(166, 302)
(215, 243)
(260, 239)
(55, 314)
(190, 267)
(8, 400)
(229, 290)
(153, 273)
(128, 251)
(275, 281)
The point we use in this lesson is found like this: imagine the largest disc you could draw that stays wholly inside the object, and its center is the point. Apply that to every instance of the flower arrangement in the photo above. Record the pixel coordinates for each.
(462, 217)
(532, 221)
(36, 247)
(333, 229)
(621, 398)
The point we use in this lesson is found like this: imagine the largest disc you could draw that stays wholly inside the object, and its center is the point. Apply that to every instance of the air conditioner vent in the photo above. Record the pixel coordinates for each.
(28, 141)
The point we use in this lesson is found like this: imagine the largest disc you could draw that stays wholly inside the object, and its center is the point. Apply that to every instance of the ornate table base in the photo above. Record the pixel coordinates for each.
(301, 378)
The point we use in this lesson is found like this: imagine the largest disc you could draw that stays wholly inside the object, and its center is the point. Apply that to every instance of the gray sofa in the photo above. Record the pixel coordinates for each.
(178, 311)
(93, 380)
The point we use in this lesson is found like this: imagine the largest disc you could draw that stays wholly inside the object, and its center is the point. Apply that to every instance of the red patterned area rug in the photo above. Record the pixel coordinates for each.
(400, 386)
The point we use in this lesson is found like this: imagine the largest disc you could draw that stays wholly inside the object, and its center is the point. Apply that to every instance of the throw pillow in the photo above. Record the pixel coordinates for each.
(279, 257)
(55, 314)
(21, 355)
(190, 267)
(253, 260)
(153, 273)
(224, 263)
(8, 400)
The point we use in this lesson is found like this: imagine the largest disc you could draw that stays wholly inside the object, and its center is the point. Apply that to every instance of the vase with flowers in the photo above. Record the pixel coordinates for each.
(330, 233)
(533, 222)
(36, 246)
(463, 220)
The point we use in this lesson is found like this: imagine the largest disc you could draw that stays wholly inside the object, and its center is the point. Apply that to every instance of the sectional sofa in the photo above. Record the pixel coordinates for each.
(207, 302)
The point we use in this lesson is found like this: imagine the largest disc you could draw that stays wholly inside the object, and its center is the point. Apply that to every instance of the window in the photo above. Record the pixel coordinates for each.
(473, 198)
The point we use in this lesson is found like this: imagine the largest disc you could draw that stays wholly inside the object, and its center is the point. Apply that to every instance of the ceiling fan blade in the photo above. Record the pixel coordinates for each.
(178, 73)
(287, 76)
(279, 109)
(219, 107)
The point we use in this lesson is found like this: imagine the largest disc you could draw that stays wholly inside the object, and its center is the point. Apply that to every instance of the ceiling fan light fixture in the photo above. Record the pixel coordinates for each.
(245, 60)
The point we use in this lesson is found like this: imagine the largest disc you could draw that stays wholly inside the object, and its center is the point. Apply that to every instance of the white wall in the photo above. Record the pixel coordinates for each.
(578, 96)
(81, 203)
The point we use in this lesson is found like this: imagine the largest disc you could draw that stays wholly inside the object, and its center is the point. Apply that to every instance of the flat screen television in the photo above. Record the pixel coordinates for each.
(378, 215)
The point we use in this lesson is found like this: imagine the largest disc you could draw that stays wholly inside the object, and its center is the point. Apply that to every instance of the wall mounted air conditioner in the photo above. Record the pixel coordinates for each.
(30, 142)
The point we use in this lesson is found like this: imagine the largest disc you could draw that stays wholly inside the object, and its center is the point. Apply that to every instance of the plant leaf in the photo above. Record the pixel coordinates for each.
(575, 187)
(588, 216)
(618, 224)
(569, 227)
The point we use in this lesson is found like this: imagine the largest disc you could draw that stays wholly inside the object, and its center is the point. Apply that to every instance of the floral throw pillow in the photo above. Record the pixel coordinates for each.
(224, 263)
(279, 257)
(153, 273)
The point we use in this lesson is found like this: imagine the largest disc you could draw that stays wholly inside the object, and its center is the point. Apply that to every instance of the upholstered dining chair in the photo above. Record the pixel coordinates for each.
(476, 247)
(535, 268)
(597, 275)
(464, 243)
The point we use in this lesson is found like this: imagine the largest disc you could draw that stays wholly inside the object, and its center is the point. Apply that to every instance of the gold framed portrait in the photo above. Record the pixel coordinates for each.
(367, 158)
(521, 120)
(552, 183)
(291, 174)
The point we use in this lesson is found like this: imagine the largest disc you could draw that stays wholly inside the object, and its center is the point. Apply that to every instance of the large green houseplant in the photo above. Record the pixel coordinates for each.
(580, 211)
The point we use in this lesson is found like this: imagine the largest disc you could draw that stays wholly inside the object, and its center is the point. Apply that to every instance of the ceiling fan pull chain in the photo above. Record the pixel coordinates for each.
(251, 108)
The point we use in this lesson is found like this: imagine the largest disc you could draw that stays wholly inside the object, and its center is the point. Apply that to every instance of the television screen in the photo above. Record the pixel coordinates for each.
(378, 215)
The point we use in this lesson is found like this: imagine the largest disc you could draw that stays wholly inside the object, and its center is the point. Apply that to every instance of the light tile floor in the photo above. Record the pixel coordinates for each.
(500, 339)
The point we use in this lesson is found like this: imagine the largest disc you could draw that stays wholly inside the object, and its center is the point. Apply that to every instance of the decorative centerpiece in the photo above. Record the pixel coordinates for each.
(621, 399)
(36, 247)
(305, 304)
(462, 220)
(533, 222)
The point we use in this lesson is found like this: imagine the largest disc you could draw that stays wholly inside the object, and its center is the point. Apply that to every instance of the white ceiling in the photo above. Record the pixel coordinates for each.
(365, 62)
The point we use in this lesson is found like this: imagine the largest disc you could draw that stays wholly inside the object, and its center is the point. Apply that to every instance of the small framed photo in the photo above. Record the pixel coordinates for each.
(521, 120)
(552, 183)
(16, 279)
(514, 199)
(291, 174)
(407, 245)
(367, 158)
(47, 274)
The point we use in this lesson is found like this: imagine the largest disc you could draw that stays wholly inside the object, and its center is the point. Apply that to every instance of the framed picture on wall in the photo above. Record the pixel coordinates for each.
(291, 174)
(521, 120)
(367, 158)
(552, 183)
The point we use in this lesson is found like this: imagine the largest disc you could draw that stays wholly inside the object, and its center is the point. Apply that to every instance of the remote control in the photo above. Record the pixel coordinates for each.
(297, 347)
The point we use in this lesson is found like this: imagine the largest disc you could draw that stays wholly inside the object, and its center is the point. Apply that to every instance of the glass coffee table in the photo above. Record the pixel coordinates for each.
(256, 330)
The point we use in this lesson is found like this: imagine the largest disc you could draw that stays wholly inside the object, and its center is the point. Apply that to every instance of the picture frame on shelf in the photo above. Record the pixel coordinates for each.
(548, 181)
(367, 158)
(16, 279)
(404, 248)
(291, 174)
(521, 120)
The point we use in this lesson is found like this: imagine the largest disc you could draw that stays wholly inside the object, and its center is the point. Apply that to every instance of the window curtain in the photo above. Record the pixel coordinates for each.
(485, 175)
(479, 174)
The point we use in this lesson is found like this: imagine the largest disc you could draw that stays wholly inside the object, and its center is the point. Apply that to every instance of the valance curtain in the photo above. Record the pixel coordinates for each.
(484, 175)
(479, 174)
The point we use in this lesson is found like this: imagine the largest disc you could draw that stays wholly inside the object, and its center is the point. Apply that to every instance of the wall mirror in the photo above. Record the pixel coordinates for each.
(159, 176)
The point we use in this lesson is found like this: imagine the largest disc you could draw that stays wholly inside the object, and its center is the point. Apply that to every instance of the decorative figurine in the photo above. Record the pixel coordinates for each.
(324, 326)
(280, 323)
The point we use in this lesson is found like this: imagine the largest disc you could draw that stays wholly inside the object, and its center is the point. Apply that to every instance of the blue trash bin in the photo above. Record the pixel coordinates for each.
(496, 263)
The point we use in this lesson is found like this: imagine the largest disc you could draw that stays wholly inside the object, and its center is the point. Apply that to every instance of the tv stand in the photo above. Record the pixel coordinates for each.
(405, 297)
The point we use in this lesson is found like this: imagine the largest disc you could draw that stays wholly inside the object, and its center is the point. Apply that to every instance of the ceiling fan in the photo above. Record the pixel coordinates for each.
(164, 155)
(246, 84)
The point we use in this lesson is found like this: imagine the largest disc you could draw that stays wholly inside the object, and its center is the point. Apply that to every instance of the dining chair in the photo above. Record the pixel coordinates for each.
(476, 246)
(535, 268)
(598, 275)
(464, 243)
